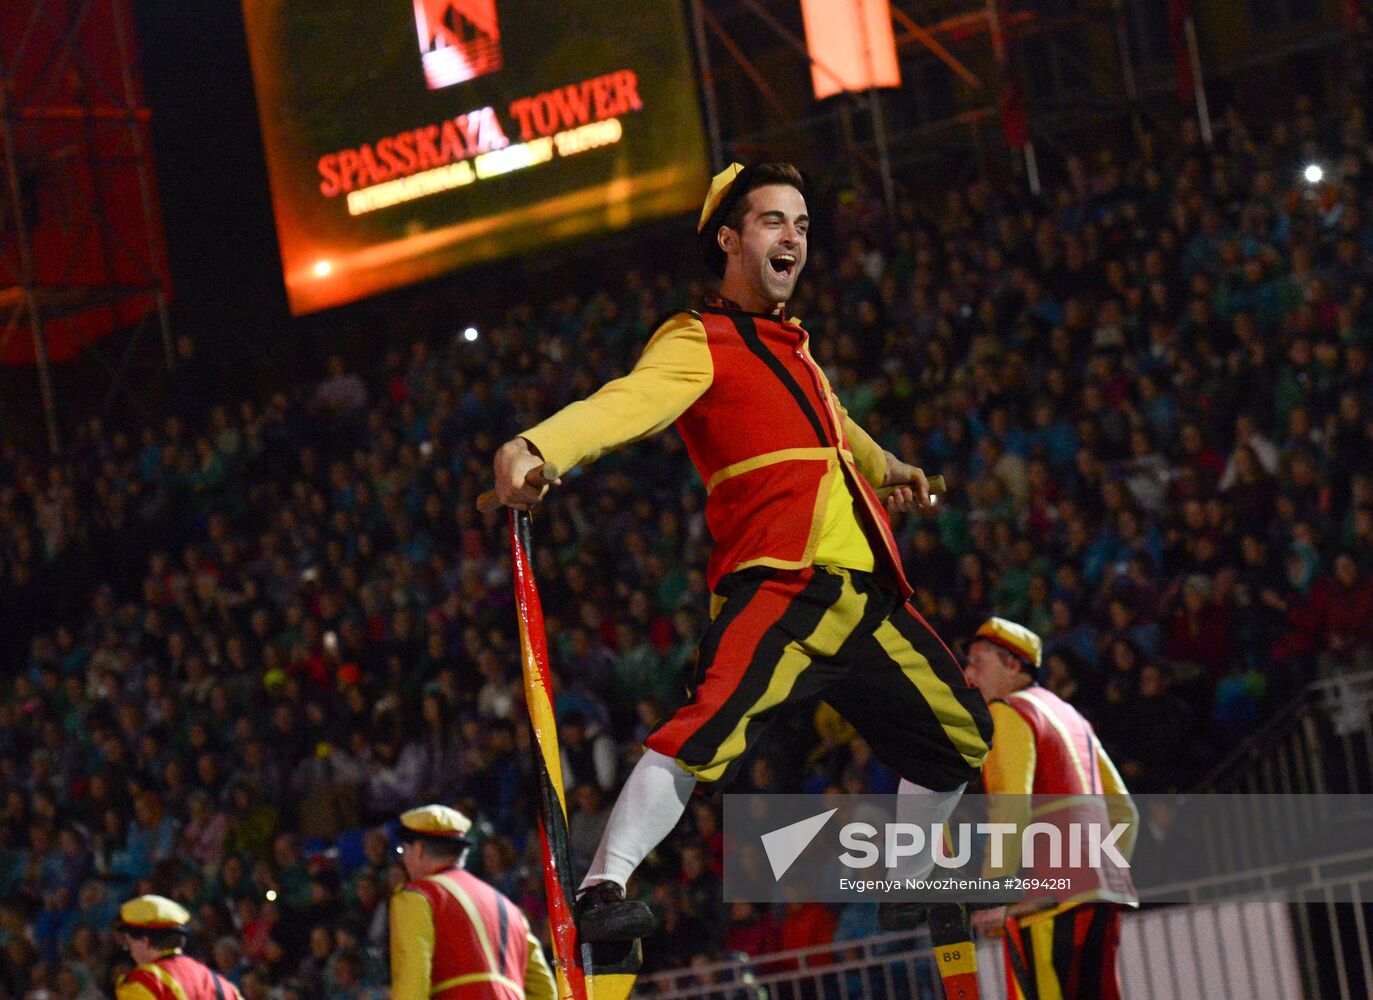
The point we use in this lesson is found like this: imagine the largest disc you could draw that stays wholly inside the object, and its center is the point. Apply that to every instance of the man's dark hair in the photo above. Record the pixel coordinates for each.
(450, 849)
(453, 853)
(732, 209)
(163, 939)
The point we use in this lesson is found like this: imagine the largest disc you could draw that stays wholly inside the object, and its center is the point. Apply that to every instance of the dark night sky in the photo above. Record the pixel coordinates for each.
(211, 173)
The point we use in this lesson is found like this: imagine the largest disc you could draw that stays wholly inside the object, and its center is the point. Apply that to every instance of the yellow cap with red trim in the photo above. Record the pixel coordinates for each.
(1013, 638)
(436, 821)
(719, 188)
(154, 913)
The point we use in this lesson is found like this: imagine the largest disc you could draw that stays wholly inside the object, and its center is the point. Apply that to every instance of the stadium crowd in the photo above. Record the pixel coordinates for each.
(236, 644)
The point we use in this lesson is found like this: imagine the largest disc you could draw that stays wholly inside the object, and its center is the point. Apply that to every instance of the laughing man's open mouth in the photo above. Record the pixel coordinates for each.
(783, 263)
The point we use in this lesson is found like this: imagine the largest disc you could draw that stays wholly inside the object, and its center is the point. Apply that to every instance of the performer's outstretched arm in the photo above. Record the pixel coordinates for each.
(867, 453)
(671, 374)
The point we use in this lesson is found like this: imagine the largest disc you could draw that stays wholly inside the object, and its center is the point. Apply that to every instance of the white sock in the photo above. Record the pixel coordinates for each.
(649, 806)
(926, 808)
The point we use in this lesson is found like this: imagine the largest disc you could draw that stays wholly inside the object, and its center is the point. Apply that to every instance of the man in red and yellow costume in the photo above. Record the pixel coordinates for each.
(809, 593)
(1048, 758)
(154, 930)
(453, 937)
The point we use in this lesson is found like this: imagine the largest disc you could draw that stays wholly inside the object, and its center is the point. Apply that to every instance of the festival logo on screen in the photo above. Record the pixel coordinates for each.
(459, 40)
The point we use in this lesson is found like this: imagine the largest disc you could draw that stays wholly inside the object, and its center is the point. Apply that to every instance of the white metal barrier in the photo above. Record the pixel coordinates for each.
(1255, 948)
(1321, 743)
(1221, 950)
(897, 966)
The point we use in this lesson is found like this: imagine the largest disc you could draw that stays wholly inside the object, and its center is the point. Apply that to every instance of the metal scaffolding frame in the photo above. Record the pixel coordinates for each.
(984, 45)
(57, 72)
(968, 19)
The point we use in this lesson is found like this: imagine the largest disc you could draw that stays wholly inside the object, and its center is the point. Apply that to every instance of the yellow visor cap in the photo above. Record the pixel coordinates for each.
(153, 913)
(719, 187)
(436, 821)
(1013, 637)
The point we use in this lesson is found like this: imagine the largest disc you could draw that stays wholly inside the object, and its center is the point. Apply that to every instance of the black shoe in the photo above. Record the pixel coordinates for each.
(603, 914)
(950, 923)
(900, 916)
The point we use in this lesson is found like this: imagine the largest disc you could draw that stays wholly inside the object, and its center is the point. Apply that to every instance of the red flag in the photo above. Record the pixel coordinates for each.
(606, 980)
(538, 697)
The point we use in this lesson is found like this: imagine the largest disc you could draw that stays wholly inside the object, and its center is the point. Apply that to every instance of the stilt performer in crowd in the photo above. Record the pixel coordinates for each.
(809, 596)
(1046, 749)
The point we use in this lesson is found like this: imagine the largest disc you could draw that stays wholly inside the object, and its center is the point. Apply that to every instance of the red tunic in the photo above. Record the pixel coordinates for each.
(764, 437)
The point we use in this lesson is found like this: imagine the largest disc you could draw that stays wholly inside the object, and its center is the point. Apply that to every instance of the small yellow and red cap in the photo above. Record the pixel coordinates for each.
(434, 822)
(153, 913)
(1012, 637)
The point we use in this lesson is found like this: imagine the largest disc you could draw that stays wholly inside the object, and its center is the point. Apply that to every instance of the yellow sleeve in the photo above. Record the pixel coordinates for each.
(125, 990)
(1008, 777)
(539, 983)
(868, 455)
(1119, 806)
(1010, 766)
(412, 946)
(672, 373)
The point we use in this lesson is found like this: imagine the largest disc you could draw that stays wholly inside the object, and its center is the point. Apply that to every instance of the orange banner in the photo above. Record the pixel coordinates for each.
(852, 45)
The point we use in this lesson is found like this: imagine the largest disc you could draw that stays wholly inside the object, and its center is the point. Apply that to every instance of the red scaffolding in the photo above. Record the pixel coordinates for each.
(81, 246)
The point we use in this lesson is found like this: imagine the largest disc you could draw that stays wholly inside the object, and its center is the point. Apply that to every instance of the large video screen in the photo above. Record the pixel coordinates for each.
(406, 138)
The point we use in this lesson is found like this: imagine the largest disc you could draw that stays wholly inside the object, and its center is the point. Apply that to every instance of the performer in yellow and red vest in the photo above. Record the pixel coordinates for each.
(1048, 758)
(453, 937)
(809, 593)
(154, 930)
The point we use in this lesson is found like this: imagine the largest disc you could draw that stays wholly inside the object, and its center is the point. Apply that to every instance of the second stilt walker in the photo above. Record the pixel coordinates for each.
(809, 594)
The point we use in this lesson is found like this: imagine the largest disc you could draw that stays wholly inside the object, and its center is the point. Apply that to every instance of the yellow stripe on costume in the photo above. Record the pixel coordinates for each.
(1046, 977)
(477, 977)
(1048, 713)
(964, 734)
(819, 514)
(835, 626)
(769, 458)
(127, 990)
(167, 980)
(836, 535)
(456, 891)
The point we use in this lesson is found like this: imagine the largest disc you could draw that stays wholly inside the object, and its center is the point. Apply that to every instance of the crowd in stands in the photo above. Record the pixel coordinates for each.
(237, 643)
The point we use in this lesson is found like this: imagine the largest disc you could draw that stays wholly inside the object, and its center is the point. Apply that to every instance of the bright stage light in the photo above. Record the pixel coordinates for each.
(470, 334)
(323, 269)
(1313, 173)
